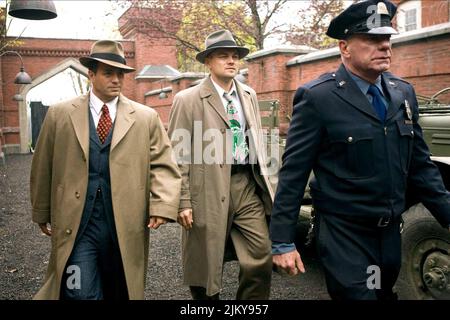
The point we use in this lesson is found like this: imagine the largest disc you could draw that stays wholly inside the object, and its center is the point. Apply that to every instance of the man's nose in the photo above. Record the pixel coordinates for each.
(230, 59)
(116, 77)
(385, 44)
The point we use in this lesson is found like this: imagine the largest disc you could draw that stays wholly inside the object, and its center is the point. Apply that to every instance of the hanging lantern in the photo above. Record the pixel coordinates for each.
(32, 9)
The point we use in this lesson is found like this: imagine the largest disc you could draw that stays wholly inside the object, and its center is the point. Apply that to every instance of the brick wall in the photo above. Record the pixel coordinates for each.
(435, 12)
(424, 62)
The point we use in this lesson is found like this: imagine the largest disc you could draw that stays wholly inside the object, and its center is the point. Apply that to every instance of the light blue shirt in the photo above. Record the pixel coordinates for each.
(364, 85)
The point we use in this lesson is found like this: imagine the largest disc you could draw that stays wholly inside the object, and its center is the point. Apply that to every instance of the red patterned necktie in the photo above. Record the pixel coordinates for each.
(104, 124)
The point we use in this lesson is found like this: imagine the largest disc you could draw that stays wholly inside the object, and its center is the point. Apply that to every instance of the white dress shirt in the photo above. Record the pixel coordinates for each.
(236, 102)
(95, 105)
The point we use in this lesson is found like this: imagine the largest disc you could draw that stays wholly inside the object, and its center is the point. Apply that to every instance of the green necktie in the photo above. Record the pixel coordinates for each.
(240, 147)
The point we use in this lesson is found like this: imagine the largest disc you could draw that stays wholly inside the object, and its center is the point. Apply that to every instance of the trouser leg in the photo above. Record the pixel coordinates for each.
(357, 260)
(250, 237)
(81, 279)
(199, 293)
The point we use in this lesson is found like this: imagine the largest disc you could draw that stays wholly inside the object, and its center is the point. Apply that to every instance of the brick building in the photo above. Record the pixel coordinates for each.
(421, 55)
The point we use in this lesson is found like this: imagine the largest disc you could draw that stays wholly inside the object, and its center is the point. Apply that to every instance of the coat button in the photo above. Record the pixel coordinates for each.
(77, 195)
(221, 165)
(68, 231)
(350, 139)
(223, 130)
(412, 132)
(223, 199)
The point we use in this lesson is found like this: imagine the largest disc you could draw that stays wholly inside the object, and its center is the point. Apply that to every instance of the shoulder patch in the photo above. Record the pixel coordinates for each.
(321, 79)
(391, 76)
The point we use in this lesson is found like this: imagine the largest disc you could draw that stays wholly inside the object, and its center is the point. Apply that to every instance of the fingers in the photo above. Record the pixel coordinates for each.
(289, 262)
(299, 263)
(155, 222)
(45, 228)
(185, 218)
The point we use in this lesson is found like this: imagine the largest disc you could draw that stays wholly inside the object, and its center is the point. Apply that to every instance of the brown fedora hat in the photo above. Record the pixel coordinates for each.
(220, 39)
(108, 52)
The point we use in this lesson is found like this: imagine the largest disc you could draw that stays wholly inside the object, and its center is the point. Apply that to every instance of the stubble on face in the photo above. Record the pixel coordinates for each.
(367, 56)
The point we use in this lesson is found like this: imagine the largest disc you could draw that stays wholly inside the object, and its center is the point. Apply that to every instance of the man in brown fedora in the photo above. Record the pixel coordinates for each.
(224, 196)
(98, 158)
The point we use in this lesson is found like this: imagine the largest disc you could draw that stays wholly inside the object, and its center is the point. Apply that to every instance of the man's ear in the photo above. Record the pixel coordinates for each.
(343, 47)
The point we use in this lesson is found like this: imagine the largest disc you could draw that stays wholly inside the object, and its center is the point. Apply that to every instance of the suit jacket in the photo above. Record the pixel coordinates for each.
(141, 165)
(362, 167)
(206, 187)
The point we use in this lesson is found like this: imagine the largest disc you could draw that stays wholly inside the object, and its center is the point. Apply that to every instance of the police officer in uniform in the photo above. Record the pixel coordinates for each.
(357, 130)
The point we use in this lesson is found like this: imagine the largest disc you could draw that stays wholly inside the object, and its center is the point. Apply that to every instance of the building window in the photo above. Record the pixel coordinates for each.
(411, 20)
(409, 16)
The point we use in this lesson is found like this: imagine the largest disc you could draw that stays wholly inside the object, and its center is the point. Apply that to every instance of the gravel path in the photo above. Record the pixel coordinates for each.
(24, 252)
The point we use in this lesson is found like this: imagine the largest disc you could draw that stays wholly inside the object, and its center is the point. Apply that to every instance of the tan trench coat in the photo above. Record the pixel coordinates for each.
(140, 164)
(206, 187)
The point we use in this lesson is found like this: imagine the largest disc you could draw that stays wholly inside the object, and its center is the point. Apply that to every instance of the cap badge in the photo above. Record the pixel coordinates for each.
(382, 9)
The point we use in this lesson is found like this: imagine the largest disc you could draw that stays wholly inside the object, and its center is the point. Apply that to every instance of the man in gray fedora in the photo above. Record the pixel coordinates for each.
(225, 200)
(98, 159)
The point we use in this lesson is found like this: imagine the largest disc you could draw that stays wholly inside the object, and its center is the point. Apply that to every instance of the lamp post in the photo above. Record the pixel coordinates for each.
(162, 94)
(22, 77)
(23, 9)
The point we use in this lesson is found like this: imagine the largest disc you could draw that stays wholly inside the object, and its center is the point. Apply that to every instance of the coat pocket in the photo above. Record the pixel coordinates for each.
(352, 152)
(405, 144)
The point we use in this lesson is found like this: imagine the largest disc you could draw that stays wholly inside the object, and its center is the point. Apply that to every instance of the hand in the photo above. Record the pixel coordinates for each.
(290, 262)
(156, 221)
(185, 218)
(46, 228)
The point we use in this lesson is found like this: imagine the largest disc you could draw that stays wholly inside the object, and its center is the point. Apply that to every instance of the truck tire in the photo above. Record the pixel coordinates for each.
(425, 270)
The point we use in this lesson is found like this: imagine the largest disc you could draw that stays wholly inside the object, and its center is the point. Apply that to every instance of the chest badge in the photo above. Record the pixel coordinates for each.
(408, 112)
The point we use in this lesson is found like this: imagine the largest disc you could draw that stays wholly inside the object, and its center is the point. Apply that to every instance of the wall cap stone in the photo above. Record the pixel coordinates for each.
(278, 50)
(422, 33)
(157, 91)
(189, 75)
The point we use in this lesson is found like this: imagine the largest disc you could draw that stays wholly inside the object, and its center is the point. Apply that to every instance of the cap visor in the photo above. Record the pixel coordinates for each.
(382, 30)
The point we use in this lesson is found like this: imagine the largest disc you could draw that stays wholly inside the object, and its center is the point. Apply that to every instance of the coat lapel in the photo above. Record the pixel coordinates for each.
(348, 90)
(210, 93)
(124, 120)
(246, 102)
(80, 121)
(395, 95)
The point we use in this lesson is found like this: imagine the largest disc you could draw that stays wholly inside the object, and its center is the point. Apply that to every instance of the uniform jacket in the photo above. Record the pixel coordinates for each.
(140, 164)
(362, 167)
(206, 187)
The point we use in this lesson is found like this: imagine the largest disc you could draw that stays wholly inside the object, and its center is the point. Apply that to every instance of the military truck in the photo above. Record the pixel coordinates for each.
(425, 272)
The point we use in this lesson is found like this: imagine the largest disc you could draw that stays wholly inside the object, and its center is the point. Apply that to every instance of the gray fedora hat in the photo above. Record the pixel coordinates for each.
(108, 52)
(220, 39)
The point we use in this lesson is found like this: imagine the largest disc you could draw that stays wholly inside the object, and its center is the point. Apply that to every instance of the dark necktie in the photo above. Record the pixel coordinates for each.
(104, 124)
(377, 102)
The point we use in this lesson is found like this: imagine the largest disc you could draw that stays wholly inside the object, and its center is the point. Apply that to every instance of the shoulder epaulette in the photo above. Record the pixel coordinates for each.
(321, 79)
(394, 77)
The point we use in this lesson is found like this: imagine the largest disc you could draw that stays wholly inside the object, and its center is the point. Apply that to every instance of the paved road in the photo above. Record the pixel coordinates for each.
(24, 252)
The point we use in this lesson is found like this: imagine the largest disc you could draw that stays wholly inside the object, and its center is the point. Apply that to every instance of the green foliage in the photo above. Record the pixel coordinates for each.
(4, 27)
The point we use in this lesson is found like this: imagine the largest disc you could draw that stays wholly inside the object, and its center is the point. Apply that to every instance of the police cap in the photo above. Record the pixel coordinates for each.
(370, 17)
